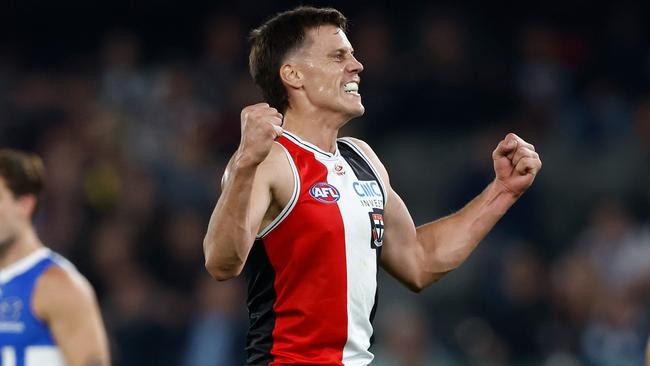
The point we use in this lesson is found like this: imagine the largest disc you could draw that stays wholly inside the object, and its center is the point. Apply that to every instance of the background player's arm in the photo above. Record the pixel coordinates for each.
(245, 195)
(420, 256)
(66, 302)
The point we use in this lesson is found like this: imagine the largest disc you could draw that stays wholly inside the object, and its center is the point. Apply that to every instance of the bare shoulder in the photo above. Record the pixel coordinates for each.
(276, 162)
(277, 158)
(277, 171)
(61, 289)
(370, 153)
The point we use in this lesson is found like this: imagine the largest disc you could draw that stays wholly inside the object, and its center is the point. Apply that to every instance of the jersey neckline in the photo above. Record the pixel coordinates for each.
(311, 147)
(22, 265)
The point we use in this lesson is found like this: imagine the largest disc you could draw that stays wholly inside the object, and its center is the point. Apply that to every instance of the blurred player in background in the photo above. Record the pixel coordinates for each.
(308, 217)
(48, 311)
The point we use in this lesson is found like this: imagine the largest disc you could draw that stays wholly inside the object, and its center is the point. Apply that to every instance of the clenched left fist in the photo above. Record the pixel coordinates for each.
(515, 164)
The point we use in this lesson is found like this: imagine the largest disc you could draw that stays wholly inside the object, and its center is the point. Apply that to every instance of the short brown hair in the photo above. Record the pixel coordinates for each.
(275, 39)
(23, 172)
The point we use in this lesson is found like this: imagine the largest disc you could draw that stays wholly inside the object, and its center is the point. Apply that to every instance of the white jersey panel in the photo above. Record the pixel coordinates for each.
(43, 355)
(361, 263)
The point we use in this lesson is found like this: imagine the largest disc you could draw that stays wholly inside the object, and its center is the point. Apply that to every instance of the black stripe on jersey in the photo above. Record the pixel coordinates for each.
(359, 164)
(354, 151)
(374, 306)
(364, 171)
(260, 277)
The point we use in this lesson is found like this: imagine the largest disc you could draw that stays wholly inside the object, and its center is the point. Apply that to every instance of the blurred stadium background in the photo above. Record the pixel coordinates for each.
(135, 109)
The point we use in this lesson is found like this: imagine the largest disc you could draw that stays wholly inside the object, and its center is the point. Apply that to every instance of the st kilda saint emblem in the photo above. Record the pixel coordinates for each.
(377, 227)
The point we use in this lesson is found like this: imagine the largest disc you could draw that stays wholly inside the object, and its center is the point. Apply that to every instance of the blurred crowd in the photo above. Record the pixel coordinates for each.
(135, 144)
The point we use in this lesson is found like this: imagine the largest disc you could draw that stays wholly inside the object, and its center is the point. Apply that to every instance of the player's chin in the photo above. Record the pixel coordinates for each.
(360, 110)
(356, 110)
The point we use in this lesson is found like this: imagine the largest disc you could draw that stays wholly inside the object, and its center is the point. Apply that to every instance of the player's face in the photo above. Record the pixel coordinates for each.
(10, 215)
(331, 72)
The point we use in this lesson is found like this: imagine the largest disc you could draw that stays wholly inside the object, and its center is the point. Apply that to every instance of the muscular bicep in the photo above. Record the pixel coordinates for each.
(260, 199)
(401, 254)
(67, 303)
(251, 197)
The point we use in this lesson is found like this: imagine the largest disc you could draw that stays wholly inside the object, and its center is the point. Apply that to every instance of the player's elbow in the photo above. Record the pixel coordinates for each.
(220, 265)
(415, 287)
(222, 269)
(221, 272)
(415, 283)
(424, 280)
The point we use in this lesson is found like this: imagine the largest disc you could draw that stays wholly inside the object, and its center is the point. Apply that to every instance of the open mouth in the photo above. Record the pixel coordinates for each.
(351, 88)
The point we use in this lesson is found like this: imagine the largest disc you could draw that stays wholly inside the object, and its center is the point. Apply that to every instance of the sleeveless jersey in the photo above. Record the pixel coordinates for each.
(25, 340)
(312, 273)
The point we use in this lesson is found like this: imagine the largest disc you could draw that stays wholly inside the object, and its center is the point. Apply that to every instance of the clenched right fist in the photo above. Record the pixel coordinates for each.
(260, 126)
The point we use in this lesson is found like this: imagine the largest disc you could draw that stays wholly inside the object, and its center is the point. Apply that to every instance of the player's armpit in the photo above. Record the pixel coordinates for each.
(66, 302)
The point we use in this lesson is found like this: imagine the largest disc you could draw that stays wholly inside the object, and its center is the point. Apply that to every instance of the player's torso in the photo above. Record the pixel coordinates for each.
(312, 273)
(24, 339)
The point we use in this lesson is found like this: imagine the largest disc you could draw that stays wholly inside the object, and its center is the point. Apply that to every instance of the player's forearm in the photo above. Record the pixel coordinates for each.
(448, 242)
(82, 337)
(229, 236)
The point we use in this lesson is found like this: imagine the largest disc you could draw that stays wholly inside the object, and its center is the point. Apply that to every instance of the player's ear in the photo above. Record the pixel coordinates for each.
(291, 75)
(27, 205)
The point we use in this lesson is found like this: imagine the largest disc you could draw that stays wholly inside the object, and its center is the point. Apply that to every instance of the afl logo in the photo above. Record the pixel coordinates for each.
(324, 192)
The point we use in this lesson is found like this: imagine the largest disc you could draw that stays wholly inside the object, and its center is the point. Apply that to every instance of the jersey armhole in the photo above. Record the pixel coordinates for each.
(360, 152)
(32, 294)
(292, 201)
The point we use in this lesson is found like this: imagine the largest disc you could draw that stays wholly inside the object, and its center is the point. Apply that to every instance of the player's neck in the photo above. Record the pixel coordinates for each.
(26, 243)
(318, 129)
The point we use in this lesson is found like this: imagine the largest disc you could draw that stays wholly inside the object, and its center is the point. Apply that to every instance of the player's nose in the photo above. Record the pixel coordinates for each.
(355, 66)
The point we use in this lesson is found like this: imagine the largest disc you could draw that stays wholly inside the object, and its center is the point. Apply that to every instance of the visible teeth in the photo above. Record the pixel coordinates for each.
(351, 87)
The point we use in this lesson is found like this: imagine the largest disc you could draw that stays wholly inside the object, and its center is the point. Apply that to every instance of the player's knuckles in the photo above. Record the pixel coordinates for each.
(259, 118)
(265, 114)
(500, 149)
(251, 108)
(512, 136)
(259, 105)
(258, 126)
(528, 165)
(275, 120)
(245, 111)
(521, 168)
(271, 110)
(525, 151)
(523, 142)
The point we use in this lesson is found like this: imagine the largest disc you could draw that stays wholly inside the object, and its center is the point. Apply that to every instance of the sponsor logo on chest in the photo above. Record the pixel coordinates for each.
(10, 310)
(369, 193)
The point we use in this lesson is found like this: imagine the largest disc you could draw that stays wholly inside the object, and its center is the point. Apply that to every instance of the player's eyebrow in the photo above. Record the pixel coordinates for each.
(343, 50)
